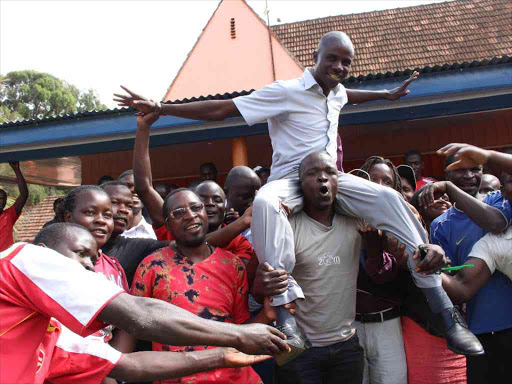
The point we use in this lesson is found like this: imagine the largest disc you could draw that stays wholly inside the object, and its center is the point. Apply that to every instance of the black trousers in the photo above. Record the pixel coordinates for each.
(494, 366)
(336, 363)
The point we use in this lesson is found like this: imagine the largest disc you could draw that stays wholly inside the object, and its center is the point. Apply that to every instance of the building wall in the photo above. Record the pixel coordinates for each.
(179, 164)
(219, 63)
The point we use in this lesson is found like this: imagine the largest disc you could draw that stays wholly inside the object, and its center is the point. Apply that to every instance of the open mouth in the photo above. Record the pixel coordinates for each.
(335, 77)
(193, 227)
(99, 232)
(324, 190)
(121, 220)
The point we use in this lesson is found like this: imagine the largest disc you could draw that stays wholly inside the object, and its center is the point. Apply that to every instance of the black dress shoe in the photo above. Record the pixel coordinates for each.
(459, 338)
(295, 339)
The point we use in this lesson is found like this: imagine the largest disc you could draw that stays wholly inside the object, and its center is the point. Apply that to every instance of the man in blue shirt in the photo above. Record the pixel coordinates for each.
(489, 311)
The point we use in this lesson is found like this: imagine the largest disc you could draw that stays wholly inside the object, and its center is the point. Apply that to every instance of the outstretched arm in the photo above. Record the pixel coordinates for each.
(149, 366)
(483, 215)
(469, 156)
(22, 185)
(156, 320)
(209, 110)
(359, 96)
(142, 170)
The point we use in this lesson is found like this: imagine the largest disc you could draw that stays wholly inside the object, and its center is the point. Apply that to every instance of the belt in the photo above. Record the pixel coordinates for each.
(378, 317)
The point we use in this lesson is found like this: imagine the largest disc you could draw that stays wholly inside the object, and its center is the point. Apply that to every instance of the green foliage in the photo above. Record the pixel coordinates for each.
(31, 95)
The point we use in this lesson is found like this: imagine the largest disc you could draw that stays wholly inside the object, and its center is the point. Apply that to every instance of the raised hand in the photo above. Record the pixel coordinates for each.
(233, 358)
(468, 156)
(231, 216)
(135, 101)
(398, 92)
(431, 193)
(147, 120)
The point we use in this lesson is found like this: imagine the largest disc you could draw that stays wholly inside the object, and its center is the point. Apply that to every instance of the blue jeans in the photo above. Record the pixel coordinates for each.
(337, 363)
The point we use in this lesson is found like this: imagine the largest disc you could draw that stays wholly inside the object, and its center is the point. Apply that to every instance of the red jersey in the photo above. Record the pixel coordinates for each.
(76, 359)
(239, 246)
(37, 283)
(424, 181)
(112, 269)
(7, 220)
(162, 234)
(214, 289)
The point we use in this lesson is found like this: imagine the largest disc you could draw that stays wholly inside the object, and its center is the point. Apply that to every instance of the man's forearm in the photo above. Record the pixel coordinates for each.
(209, 110)
(143, 177)
(223, 236)
(501, 161)
(23, 188)
(156, 320)
(358, 96)
(149, 366)
(485, 216)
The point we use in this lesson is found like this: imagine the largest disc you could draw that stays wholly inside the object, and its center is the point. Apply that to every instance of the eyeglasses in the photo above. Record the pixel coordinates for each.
(178, 213)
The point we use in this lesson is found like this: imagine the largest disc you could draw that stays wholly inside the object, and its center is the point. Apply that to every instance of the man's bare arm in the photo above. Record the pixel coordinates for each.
(359, 96)
(22, 186)
(150, 366)
(156, 320)
(469, 156)
(209, 110)
(467, 282)
(483, 215)
(142, 170)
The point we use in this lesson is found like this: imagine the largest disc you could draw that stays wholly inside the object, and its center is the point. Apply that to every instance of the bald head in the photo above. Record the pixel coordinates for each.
(239, 173)
(489, 183)
(314, 159)
(241, 186)
(335, 38)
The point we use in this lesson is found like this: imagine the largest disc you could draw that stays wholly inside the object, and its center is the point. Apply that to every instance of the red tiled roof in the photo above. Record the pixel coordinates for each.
(33, 218)
(404, 38)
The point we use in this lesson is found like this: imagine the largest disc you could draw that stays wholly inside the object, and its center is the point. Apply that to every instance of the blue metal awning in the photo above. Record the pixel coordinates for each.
(434, 94)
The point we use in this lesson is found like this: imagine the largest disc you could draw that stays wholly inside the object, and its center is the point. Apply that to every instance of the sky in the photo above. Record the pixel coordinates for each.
(141, 44)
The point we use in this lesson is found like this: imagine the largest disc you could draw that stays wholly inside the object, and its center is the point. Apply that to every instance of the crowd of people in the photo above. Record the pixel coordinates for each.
(297, 273)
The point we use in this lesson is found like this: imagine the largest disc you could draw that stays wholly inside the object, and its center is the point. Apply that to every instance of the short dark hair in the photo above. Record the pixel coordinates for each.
(413, 152)
(114, 183)
(71, 197)
(104, 179)
(168, 198)
(374, 160)
(125, 173)
(54, 234)
(57, 201)
(208, 165)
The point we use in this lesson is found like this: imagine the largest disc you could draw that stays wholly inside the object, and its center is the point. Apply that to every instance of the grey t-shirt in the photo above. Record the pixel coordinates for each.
(327, 264)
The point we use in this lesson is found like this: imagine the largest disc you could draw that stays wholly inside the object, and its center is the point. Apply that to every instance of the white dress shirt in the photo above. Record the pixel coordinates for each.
(301, 120)
(143, 230)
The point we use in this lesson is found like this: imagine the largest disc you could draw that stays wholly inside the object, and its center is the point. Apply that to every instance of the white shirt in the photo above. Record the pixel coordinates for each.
(301, 120)
(143, 230)
(496, 251)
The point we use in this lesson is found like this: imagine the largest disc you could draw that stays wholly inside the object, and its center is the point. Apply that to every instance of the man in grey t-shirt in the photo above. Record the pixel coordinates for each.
(327, 249)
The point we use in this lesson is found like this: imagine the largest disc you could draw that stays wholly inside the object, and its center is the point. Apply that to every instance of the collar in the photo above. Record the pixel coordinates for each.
(310, 82)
